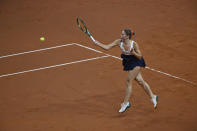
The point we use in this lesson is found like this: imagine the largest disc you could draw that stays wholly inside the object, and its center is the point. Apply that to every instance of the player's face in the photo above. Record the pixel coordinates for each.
(124, 35)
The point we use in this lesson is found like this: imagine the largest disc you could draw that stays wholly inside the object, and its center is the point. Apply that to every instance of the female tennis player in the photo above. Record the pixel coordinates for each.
(132, 61)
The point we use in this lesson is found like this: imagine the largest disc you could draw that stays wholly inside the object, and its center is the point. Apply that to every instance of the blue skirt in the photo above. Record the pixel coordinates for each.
(129, 62)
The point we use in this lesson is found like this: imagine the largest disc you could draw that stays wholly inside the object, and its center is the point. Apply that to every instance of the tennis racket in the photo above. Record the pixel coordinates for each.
(84, 28)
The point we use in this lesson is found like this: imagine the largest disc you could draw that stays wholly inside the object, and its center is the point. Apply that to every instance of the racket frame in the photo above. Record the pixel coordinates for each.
(86, 29)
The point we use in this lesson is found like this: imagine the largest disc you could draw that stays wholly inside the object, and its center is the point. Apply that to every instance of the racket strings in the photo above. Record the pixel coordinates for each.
(81, 25)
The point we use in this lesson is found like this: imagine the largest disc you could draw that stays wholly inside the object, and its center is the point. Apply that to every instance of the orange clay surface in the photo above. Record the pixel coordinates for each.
(86, 96)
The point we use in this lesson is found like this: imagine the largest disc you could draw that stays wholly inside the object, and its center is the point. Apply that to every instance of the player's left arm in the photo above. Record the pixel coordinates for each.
(136, 51)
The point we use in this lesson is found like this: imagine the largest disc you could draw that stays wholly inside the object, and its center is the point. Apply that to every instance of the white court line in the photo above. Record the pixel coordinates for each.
(167, 74)
(21, 53)
(53, 66)
(171, 75)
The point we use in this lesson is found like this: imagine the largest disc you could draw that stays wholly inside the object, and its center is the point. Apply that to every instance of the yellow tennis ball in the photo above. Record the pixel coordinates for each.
(42, 39)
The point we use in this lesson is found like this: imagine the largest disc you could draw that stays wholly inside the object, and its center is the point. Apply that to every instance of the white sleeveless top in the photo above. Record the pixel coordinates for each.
(126, 52)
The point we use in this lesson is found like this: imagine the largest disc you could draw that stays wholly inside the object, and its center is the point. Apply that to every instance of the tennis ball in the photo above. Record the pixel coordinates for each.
(42, 39)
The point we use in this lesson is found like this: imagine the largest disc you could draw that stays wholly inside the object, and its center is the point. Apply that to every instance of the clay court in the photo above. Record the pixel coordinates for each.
(67, 83)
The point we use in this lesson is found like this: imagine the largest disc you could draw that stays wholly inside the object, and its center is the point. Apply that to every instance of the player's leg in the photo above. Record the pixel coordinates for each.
(146, 87)
(144, 84)
(131, 76)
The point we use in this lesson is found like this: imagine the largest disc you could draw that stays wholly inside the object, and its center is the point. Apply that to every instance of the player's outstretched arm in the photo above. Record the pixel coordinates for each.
(108, 46)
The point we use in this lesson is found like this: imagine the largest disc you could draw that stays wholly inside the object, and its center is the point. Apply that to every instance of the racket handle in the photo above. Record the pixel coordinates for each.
(92, 39)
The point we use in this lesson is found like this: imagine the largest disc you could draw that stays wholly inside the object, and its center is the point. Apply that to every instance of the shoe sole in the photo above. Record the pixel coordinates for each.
(126, 108)
(157, 98)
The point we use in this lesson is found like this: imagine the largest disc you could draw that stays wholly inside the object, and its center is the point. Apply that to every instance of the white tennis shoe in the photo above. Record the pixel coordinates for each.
(124, 107)
(154, 101)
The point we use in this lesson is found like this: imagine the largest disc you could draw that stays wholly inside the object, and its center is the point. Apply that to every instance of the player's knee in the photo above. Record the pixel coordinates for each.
(140, 81)
(128, 80)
